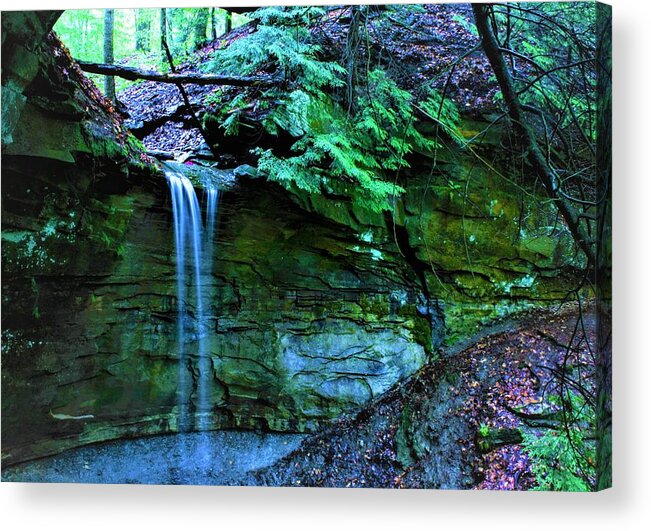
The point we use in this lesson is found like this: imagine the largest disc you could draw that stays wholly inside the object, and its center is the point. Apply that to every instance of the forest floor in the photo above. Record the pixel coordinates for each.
(424, 434)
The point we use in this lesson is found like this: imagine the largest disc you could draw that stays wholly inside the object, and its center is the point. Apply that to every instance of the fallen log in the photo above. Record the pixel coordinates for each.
(549, 420)
(160, 155)
(488, 439)
(133, 74)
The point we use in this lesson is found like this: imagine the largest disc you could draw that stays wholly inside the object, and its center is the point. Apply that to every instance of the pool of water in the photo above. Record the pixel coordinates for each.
(206, 458)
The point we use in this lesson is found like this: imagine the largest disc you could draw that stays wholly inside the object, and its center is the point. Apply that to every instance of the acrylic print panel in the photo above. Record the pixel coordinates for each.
(342, 246)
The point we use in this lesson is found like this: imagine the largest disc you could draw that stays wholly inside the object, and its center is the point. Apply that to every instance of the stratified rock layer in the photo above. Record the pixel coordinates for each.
(306, 322)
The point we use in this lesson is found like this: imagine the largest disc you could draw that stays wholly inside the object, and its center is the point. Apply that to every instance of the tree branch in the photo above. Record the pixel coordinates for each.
(132, 74)
(186, 98)
(535, 155)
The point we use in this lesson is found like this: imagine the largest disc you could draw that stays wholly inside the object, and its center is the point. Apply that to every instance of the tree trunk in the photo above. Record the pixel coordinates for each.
(130, 73)
(353, 39)
(143, 30)
(228, 22)
(188, 105)
(488, 439)
(109, 81)
(163, 35)
(213, 25)
(200, 26)
(599, 259)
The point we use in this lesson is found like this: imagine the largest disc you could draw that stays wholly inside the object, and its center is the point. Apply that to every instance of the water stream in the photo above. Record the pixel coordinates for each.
(194, 259)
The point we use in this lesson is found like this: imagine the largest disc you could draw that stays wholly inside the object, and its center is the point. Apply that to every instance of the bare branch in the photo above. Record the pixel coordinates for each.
(535, 156)
(133, 74)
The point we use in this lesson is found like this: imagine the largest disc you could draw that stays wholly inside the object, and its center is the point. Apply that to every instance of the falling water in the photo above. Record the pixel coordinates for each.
(205, 364)
(193, 242)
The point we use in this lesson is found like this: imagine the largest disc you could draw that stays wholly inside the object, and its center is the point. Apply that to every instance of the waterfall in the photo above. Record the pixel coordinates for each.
(194, 259)
(205, 364)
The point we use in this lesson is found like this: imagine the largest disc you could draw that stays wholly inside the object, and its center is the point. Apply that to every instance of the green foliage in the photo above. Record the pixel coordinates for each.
(444, 112)
(334, 154)
(188, 29)
(82, 32)
(563, 459)
(354, 149)
(282, 40)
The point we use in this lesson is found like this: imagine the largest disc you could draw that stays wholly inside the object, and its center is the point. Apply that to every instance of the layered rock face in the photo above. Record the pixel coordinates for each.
(316, 309)
(488, 245)
(482, 243)
(308, 320)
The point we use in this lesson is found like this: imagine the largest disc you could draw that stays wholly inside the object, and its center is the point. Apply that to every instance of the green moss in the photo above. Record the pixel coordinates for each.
(421, 329)
(404, 438)
(107, 223)
(465, 317)
(452, 377)
(422, 333)
(373, 308)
